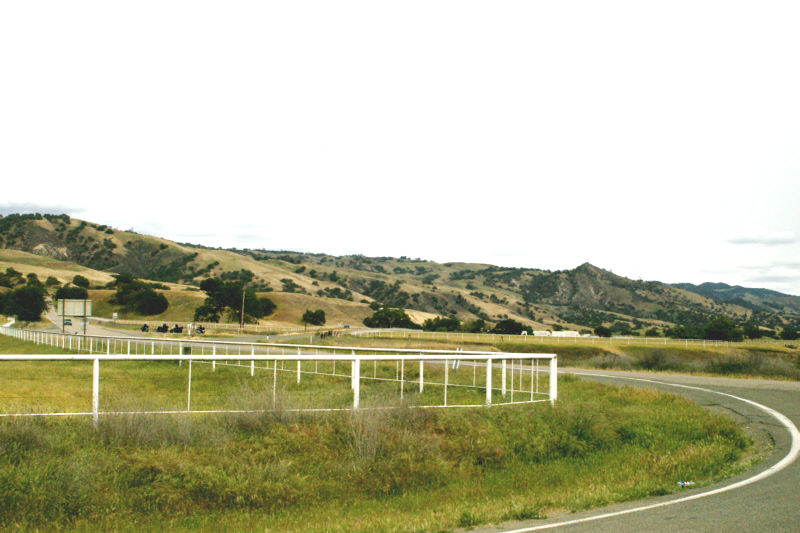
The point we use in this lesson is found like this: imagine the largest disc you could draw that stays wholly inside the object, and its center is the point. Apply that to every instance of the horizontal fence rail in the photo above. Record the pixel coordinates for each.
(279, 376)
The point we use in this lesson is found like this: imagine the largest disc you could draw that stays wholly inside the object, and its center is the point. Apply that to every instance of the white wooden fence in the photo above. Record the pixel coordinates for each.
(519, 374)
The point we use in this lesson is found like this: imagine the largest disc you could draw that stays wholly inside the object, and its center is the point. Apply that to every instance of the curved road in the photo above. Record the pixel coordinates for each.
(771, 504)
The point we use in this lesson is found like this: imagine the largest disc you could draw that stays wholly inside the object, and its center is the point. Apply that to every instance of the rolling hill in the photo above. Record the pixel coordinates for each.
(755, 299)
(580, 298)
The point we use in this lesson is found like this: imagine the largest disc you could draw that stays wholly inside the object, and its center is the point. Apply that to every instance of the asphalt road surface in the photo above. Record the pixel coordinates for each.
(771, 503)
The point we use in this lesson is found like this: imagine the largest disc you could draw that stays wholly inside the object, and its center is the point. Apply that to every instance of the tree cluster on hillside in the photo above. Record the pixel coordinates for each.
(11, 278)
(602, 331)
(722, 328)
(509, 326)
(451, 323)
(790, 333)
(389, 317)
(474, 326)
(25, 303)
(71, 293)
(442, 324)
(138, 296)
(226, 297)
(719, 328)
(315, 318)
(80, 281)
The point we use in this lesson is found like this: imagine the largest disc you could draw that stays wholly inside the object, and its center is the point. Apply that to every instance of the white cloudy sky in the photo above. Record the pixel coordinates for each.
(660, 140)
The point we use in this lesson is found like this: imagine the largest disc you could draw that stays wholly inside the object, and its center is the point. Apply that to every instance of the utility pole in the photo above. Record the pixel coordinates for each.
(241, 318)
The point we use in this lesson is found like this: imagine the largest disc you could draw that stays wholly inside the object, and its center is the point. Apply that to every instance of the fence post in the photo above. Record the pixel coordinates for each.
(298, 367)
(352, 370)
(421, 374)
(274, 383)
(189, 395)
(213, 361)
(503, 378)
(531, 379)
(95, 390)
(252, 361)
(356, 380)
(446, 379)
(553, 380)
(512, 380)
(488, 382)
(402, 377)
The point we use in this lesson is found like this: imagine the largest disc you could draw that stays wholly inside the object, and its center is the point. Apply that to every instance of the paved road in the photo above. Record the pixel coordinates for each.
(771, 504)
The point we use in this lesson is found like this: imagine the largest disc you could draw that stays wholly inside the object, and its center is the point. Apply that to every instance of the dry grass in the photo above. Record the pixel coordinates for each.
(291, 307)
(43, 267)
(182, 304)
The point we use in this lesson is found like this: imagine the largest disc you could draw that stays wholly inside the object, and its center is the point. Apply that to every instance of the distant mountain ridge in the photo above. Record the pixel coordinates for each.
(581, 298)
(751, 298)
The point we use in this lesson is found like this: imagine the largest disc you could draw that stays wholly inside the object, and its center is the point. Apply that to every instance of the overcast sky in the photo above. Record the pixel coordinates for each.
(658, 140)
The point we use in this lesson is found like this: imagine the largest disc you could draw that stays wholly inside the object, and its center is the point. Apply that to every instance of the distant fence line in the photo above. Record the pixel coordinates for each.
(397, 333)
(223, 326)
(450, 335)
(522, 369)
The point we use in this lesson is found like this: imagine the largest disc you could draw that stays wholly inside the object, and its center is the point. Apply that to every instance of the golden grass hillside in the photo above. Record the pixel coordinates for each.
(43, 267)
(182, 304)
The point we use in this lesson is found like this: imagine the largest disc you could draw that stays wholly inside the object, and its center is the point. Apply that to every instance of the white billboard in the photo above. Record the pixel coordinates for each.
(74, 307)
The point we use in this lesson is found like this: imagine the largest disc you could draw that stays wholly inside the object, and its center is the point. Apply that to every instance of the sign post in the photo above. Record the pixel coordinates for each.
(74, 308)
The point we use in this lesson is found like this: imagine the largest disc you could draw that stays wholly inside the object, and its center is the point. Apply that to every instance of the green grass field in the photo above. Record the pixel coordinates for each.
(772, 360)
(401, 469)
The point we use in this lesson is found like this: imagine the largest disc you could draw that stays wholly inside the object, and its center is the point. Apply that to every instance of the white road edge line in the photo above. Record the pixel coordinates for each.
(790, 457)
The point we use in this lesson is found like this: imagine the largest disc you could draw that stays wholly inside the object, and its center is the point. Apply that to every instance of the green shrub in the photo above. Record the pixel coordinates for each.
(71, 293)
(316, 318)
(80, 281)
(25, 303)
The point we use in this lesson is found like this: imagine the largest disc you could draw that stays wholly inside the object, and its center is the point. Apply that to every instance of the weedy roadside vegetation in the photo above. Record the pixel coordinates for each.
(741, 360)
(400, 469)
(781, 364)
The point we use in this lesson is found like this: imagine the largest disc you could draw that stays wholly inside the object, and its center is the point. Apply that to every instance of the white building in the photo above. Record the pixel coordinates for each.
(566, 334)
